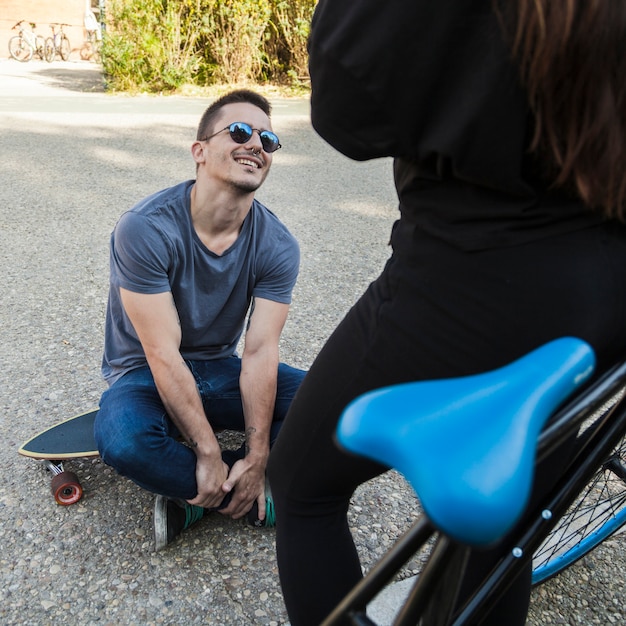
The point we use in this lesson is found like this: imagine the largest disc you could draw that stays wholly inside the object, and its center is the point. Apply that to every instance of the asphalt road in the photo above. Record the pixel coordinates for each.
(72, 159)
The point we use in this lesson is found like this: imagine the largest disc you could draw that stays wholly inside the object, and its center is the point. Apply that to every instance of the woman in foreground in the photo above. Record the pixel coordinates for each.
(507, 124)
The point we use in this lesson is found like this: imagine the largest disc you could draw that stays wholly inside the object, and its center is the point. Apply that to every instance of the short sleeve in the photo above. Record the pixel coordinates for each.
(280, 273)
(140, 256)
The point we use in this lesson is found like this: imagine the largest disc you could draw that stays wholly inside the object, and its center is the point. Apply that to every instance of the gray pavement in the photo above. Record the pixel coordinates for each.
(72, 159)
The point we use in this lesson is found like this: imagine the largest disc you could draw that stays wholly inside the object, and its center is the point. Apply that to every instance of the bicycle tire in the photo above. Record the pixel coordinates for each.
(19, 49)
(49, 50)
(40, 44)
(65, 48)
(598, 513)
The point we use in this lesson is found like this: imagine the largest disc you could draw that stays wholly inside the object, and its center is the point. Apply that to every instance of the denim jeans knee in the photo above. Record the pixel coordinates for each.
(136, 437)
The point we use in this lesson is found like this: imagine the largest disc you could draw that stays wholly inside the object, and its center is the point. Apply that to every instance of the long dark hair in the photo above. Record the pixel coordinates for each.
(572, 57)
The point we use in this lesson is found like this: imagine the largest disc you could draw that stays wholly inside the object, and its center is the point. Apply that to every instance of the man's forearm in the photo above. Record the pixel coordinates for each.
(258, 392)
(182, 401)
(179, 394)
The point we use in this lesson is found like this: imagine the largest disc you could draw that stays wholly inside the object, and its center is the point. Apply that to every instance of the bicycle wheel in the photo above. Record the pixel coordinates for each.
(19, 49)
(49, 50)
(65, 48)
(40, 44)
(599, 512)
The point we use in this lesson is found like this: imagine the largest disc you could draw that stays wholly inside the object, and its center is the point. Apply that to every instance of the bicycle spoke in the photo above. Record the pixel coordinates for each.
(19, 49)
(599, 512)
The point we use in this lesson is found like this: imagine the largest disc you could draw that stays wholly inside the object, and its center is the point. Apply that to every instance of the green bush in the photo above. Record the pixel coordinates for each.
(293, 21)
(161, 45)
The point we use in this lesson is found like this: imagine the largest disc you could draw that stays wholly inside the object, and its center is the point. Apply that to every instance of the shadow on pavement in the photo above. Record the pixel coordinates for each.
(81, 80)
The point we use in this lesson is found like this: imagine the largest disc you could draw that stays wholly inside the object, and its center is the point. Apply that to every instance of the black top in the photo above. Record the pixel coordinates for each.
(431, 82)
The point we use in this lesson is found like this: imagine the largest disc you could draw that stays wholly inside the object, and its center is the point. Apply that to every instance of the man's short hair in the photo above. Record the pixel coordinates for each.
(205, 127)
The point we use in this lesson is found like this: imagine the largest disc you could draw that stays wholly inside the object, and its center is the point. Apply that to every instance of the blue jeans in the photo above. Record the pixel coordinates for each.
(137, 438)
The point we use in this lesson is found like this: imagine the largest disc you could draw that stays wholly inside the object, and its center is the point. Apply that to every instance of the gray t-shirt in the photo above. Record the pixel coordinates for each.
(155, 249)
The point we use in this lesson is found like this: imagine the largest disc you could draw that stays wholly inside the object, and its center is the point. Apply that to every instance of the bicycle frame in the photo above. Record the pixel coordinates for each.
(26, 43)
(55, 43)
(29, 36)
(445, 567)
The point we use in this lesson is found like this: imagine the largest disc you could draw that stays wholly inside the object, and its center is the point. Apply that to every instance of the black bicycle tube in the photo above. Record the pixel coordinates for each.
(436, 591)
(568, 419)
(383, 572)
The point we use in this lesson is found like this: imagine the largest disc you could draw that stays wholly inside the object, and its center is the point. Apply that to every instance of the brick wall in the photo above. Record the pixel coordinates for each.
(43, 13)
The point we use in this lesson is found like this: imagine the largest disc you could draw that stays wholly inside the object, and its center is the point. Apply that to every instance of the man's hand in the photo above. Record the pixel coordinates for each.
(246, 481)
(211, 474)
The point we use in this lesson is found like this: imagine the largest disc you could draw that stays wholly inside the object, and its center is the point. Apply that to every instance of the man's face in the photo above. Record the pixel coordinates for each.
(243, 166)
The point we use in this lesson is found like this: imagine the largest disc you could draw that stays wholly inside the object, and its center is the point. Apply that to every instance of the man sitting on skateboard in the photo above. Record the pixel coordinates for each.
(187, 263)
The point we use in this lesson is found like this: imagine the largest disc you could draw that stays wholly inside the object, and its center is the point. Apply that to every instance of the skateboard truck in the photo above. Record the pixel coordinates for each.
(70, 439)
(66, 487)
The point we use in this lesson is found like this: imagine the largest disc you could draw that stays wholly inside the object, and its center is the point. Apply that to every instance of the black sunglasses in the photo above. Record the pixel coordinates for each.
(240, 132)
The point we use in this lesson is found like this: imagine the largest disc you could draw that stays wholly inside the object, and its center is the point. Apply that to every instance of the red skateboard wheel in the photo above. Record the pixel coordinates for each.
(66, 488)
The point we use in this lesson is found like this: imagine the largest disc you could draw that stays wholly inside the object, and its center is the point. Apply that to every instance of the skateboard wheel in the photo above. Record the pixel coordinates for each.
(66, 489)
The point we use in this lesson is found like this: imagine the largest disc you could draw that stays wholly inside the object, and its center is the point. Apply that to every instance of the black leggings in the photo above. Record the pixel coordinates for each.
(441, 313)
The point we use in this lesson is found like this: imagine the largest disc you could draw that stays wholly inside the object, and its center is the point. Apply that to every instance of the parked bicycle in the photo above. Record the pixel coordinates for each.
(93, 43)
(91, 47)
(24, 46)
(474, 484)
(58, 44)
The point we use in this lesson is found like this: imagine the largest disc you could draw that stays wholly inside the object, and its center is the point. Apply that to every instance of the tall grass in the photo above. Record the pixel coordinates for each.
(161, 45)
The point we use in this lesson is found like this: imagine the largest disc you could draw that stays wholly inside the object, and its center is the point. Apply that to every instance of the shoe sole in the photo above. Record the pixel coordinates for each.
(160, 523)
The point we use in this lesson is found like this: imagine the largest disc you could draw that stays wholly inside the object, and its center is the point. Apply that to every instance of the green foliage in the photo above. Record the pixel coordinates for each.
(161, 45)
(293, 22)
(235, 38)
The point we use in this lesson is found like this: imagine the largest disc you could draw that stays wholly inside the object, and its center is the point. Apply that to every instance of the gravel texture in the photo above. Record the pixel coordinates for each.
(72, 160)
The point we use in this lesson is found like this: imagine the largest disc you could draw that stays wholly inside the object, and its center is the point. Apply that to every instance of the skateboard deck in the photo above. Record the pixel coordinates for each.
(70, 439)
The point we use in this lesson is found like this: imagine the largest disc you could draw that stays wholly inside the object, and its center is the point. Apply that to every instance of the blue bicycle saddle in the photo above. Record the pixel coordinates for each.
(467, 445)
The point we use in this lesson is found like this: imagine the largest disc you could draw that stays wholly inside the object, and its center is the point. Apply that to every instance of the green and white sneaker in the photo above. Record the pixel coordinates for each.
(171, 518)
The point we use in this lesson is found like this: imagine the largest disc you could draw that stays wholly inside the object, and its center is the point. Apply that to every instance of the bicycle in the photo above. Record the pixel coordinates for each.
(57, 44)
(478, 497)
(91, 47)
(91, 50)
(22, 47)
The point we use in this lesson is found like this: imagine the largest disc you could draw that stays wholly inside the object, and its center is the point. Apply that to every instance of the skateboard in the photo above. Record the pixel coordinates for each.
(70, 439)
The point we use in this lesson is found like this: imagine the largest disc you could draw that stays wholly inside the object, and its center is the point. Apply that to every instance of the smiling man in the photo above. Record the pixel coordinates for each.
(188, 264)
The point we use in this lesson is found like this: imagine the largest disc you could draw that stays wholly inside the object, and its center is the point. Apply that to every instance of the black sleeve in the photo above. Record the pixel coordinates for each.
(413, 79)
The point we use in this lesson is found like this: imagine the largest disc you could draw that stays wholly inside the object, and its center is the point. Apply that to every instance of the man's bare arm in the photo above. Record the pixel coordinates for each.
(259, 371)
(156, 322)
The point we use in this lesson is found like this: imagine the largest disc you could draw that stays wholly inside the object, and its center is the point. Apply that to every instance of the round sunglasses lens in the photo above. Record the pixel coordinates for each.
(240, 133)
(269, 141)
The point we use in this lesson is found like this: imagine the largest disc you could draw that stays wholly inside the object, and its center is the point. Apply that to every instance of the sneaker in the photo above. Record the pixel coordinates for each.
(270, 515)
(171, 518)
